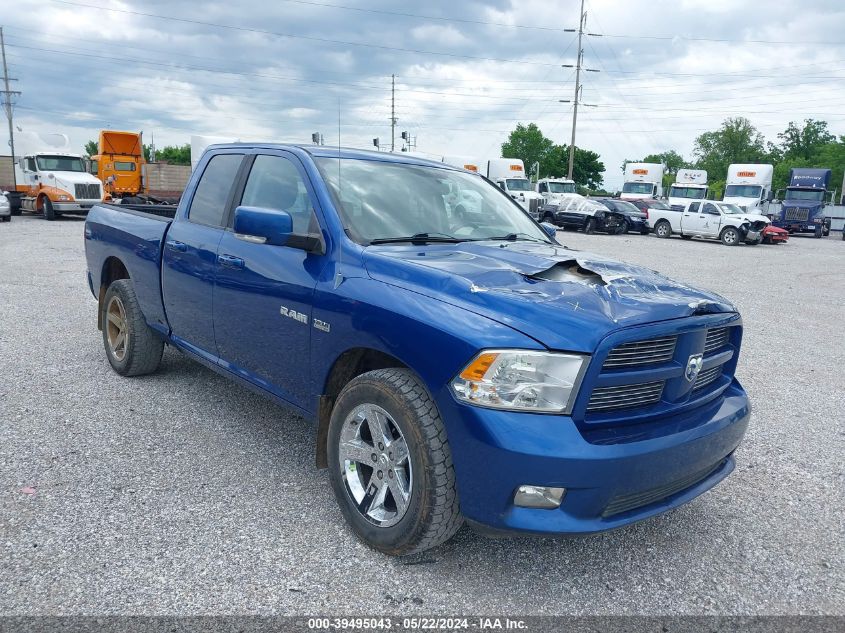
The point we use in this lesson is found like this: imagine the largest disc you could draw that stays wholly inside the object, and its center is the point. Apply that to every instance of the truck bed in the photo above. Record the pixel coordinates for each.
(134, 235)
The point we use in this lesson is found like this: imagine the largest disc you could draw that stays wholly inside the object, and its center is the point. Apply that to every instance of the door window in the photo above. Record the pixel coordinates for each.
(693, 207)
(711, 209)
(210, 200)
(274, 183)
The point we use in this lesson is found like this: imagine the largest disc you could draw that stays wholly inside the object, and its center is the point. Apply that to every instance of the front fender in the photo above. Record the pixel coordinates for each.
(435, 339)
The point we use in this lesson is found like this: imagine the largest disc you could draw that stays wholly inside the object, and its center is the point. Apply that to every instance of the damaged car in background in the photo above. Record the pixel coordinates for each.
(722, 221)
(582, 214)
(459, 366)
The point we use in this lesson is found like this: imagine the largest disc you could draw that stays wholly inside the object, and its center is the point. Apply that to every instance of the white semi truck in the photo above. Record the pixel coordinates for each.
(643, 180)
(690, 184)
(749, 186)
(554, 189)
(54, 183)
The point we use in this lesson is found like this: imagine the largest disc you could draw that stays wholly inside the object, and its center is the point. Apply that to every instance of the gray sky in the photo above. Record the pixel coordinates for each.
(466, 72)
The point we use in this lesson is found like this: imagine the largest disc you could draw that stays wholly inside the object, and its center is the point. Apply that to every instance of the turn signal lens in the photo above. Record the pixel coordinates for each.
(477, 368)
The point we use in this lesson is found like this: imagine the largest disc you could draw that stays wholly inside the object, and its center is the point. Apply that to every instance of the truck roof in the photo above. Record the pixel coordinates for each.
(326, 151)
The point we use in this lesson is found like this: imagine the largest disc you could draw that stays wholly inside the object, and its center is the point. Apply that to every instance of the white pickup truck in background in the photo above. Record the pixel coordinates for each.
(709, 219)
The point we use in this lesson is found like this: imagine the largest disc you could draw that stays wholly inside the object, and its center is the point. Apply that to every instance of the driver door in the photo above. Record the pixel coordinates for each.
(695, 221)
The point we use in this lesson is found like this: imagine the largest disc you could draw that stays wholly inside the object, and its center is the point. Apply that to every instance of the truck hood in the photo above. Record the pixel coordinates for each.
(754, 217)
(565, 299)
(66, 180)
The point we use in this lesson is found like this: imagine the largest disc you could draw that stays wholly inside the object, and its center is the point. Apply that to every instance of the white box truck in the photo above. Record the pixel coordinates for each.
(643, 180)
(690, 184)
(749, 186)
(509, 175)
(464, 162)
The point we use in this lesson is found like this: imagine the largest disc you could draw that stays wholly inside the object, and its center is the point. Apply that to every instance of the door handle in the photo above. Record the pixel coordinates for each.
(230, 261)
(176, 246)
(686, 215)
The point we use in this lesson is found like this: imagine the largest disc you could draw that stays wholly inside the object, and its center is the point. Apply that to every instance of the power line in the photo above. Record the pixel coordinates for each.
(311, 38)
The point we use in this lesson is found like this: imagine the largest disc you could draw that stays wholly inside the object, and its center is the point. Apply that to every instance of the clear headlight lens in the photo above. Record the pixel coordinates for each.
(521, 380)
(64, 198)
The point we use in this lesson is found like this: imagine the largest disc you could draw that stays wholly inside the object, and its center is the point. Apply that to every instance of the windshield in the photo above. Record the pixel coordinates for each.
(562, 187)
(805, 194)
(638, 187)
(379, 200)
(518, 184)
(730, 208)
(743, 191)
(59, 163)
(687, 192)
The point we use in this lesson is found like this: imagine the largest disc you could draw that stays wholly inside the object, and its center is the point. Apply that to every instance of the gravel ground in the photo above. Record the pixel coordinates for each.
(180, 493)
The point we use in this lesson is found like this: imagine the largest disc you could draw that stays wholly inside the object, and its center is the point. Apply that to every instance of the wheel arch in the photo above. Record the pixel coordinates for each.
(346, 367)
(112, 270)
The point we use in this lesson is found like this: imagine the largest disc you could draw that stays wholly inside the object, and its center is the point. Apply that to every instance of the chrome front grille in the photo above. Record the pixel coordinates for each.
(798, 214)
(706, 377)
(87, 191)
(650, 352)
(625, 396)
(717, 338)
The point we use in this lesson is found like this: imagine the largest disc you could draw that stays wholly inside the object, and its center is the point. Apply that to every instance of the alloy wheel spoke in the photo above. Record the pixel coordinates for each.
(399, 449)
(120, 340)
(374, 498)
(116, 320)
(357, 450)
(378, 426)
(399, 491)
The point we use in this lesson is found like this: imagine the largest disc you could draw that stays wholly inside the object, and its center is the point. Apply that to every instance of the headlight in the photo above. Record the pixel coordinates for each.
(63, 198)
(521, 380)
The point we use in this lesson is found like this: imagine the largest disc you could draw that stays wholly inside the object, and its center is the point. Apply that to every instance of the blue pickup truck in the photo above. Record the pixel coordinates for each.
(459, 365)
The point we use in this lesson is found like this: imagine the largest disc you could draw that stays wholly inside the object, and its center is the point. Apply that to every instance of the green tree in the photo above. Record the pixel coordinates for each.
(736, 141)
(587, 168)
(527, 143)
(91, 148)
(805, 142)
(175, 155)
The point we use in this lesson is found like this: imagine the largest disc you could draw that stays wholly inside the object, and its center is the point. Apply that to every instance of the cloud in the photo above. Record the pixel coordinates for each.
(284, 70)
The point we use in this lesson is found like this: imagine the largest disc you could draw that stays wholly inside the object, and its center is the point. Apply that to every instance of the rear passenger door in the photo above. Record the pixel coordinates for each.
(189, 261)
(263, 293)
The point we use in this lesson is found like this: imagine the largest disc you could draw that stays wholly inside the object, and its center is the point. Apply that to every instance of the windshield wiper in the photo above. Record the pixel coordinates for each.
(513, 237)
(419, 238)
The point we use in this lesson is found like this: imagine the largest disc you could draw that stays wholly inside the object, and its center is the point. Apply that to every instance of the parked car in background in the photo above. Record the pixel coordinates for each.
(710, 219)
(774, 235)
(5, 208)
(580, 213)
(644, 204)
(634, 220)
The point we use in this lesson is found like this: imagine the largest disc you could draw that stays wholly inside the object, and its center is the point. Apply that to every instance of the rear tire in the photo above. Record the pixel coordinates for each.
(624, 227)
(418, 470)
(132, 347)
(730, 236)
(47, 208)
(663, 229)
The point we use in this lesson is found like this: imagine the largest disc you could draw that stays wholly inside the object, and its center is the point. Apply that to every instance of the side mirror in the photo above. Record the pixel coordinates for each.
(770, 196)
(263, 226)
(549, 228)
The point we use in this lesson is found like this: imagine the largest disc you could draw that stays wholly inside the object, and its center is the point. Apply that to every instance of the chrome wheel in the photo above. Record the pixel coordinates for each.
(117, 332)
(375, 465)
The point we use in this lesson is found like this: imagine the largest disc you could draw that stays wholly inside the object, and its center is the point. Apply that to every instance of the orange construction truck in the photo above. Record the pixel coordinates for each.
(119, 165)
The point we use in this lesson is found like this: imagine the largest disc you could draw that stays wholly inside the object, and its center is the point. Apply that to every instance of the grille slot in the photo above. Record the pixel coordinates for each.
(87, 191)
(625, 503)
(650, 352)
(717, 338)
(797, 214)
(625, 396)
(706, 377)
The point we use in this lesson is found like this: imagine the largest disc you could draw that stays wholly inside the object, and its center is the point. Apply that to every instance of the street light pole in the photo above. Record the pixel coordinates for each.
(581, 17)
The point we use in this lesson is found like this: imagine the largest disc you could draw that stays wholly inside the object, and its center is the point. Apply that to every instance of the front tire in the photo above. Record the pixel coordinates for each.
(49, 211)
(730, 236)
(624, 227)
(132, 348)
(663, 229)
(390, 464)
(590, 226)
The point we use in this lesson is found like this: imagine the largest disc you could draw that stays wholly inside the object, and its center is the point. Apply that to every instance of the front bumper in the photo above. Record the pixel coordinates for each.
(495, 452)
(74, 207)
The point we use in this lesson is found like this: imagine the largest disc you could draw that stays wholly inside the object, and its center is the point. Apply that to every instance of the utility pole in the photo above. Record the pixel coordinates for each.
(7, 104)
(392, 112)
(582, 20)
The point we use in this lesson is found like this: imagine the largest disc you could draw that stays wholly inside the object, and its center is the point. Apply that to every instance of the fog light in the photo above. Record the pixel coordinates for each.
(538, 497)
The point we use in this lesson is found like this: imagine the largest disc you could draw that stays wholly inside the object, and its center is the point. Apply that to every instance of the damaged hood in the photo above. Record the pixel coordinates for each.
(565, 299)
